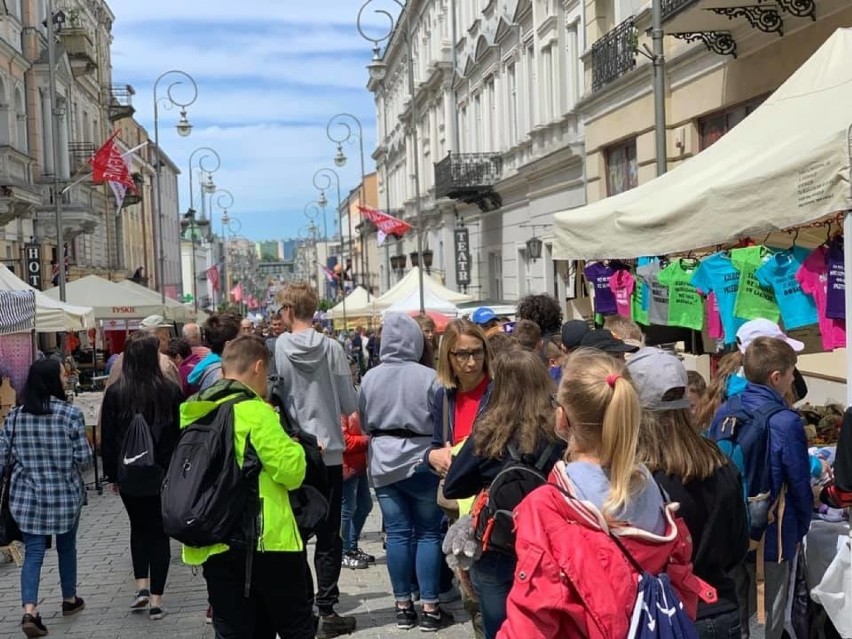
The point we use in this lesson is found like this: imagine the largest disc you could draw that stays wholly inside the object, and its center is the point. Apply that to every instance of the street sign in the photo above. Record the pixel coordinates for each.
(32, 262)
(462, 256)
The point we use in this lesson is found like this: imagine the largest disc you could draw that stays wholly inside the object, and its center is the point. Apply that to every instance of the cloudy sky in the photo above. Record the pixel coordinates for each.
(270, 75)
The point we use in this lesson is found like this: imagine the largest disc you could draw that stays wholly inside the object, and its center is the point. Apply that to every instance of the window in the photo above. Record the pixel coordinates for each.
(549, 87)
(532, 87)
(511, 73)
(716, 125)
(477, 124)
(495, 269)
(491, 142)
(20, 122)
(621, 168)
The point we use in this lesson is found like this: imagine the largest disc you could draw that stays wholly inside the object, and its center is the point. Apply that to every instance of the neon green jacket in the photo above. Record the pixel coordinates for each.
(282, 459)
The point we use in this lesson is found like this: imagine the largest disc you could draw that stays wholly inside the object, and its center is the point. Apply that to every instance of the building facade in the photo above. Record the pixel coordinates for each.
(499, 139)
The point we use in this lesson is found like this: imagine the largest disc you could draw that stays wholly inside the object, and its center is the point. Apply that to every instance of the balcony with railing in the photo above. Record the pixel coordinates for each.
(471, 178)
(80, 48)
(18, 194)
(79, 154)
(121, 102)
(614, 54)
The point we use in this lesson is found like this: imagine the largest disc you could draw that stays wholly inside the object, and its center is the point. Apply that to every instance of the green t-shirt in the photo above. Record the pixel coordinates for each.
(640, 303)
(686, 308)
(753, 300)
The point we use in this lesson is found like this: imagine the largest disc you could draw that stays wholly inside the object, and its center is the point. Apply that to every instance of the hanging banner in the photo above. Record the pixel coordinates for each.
(462, 256)
(33, 265)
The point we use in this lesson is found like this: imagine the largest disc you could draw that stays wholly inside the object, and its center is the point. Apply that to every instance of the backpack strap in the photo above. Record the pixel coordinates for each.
(540, 463)
(445, 417)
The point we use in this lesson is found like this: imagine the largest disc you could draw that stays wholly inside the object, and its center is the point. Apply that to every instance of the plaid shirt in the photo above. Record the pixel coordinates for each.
(48, 455)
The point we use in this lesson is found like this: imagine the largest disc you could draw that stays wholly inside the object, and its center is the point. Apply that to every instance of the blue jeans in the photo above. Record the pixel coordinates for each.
(35, 546)
(357, 504)
(413, 525)
(723, 626)
(492, 576)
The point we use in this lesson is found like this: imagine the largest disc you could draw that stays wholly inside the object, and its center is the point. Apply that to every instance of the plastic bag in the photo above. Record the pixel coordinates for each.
(834, 592)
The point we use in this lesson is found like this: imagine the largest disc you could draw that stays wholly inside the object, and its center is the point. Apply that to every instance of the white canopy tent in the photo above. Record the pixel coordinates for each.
(108, 299)
(411, 282)
(431, 301)
(786, 165)
(52, 316)
(174, 311)
(357, 305)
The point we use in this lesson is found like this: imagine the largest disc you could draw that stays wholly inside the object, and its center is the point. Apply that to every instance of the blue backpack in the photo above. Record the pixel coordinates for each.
(743, 436)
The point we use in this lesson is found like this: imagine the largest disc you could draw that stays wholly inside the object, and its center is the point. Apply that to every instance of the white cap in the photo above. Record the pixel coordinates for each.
(753, 329)
(153, 322)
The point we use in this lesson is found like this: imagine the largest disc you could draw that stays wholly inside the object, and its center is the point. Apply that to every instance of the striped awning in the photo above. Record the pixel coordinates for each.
(17, 311)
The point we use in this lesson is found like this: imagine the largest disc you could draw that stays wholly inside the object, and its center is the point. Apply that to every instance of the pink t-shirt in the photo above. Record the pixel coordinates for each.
(813, 276)
(714, 318)
(622, 285)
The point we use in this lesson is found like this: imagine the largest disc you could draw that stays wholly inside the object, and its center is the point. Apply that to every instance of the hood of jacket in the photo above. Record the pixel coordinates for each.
(202, 366)
(305, 349)
(402, 339)
(207, 400)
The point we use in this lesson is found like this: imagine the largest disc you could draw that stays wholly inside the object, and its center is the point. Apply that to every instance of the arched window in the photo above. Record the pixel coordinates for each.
(20, 122)
(5, 130)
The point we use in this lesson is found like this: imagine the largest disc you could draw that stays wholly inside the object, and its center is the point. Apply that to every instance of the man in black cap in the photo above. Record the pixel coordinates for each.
(573, 332)
(604, 340)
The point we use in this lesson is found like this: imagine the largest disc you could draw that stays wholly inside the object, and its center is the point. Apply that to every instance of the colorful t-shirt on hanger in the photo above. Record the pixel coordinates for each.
(658, 305)
(686, 308)
(714, 320)
(641, 293)
(836, 305)
(753, 300)
(599, 275)
(813, 276)
(717, 274)
(622, 284)
(779, 274)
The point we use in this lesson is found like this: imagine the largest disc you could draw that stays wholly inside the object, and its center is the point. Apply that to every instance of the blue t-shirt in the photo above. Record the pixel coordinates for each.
(779, 273)
(717, 274)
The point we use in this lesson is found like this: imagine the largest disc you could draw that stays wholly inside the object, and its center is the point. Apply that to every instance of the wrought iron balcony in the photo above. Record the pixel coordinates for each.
(671, 8)
(121, 102)
(470, 177)
(131, 198)
(79, 154)
(614, 54)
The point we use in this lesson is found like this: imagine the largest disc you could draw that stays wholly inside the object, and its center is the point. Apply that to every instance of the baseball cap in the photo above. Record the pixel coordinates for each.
(604, 340)
(154, 321)
(753, 329)
(483, 315)
(573, 333)
(654, 373)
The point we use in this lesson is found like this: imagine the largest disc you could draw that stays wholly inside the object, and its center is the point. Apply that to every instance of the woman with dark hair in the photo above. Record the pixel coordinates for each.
(45, 441)
(142, 389)
(544, 310)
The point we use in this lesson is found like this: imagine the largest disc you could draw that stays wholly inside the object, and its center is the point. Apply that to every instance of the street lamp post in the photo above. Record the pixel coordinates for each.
(378, 70)
(327, 175)
(53, 21)
(207, 153)
(342, 121)
(312, 211)
(184, 128)
(224, 200)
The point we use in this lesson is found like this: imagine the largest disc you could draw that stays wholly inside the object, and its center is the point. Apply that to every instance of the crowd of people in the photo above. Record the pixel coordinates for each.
(536, 468)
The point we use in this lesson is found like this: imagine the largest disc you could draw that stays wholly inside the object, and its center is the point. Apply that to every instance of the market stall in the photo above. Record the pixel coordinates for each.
(410, 284)
(768, 175)
(17, 346)
(108, 299)
(359, 309)
(173, 310)
(51, 315)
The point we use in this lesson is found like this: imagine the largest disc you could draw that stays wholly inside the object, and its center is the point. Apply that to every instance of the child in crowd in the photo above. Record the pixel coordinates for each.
(357, 502)
(695, 390)
(625, 329)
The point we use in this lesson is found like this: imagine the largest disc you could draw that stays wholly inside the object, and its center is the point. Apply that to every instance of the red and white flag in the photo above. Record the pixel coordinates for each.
(237, 292)
(213, 277)
(329, 274)
(111, 166)
(386, 224)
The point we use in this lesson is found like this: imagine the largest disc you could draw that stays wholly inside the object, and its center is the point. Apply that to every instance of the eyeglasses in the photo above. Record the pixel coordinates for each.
(464, 356)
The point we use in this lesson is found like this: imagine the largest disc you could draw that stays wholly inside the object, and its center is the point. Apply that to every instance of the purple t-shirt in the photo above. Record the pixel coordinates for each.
(835, 307)
(599, 275)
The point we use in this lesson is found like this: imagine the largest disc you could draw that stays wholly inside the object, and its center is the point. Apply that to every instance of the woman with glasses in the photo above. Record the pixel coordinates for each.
(518, 426)
(45, 442)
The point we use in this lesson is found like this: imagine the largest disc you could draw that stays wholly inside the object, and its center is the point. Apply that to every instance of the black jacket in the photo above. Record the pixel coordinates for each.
(470, 473)
(116, 418)
(715, 514)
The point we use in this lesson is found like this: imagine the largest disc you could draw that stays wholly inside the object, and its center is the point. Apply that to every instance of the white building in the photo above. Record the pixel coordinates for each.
(500, 139)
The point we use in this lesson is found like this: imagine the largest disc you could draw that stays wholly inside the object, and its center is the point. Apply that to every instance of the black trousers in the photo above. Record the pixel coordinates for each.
(329, 549)
(276, 605)
(149, 545)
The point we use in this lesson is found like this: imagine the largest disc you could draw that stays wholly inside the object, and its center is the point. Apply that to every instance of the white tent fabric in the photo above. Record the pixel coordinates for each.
(786, 164)
(411, 282)
(174, 312)
(108, 299)
(430, 300)
(356, 305)
(52, 316)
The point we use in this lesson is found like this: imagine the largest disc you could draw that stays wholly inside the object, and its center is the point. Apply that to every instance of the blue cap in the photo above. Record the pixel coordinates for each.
(483, 315)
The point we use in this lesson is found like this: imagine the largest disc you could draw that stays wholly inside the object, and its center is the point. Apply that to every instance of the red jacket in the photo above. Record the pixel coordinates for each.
(572, 580)
(355, 451)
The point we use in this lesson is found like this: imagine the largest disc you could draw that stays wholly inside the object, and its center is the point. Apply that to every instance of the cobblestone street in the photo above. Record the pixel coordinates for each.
(106, 583)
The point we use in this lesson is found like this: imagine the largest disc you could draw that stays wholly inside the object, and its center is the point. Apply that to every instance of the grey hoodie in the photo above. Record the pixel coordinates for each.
(396, 398)
(318, 386)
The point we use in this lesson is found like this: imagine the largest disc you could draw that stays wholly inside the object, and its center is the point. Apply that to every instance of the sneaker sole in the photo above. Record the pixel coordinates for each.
(31, 630)
(157, 617)
(405, 626)
(71, 613)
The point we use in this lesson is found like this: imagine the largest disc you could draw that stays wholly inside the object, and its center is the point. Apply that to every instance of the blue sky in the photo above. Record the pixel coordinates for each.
(269, 79)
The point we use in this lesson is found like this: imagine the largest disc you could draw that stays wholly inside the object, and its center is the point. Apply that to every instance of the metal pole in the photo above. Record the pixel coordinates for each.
(364, 227)
(57, 196)
(194, 274)
(161, 260)
(659, 85)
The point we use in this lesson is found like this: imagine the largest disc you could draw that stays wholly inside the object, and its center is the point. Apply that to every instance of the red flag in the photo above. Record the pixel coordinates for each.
(329, 274)
(237, 292)
(108, 165)
(387, 224)
(213, 277)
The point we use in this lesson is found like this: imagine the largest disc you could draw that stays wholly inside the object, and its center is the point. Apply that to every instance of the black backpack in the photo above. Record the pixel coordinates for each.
(493, 525)
(139, 474)
(309, 501)
(207, 498)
